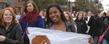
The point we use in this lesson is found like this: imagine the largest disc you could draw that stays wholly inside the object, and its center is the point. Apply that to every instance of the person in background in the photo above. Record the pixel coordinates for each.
(43, 16)
(96, 26)
(18, 13)
(30, 19)
(89, 14)
(56, 18)
(10, 29)
(70, 23)
(85, 16)
(102, 14)
(80, 23)
(74, 13)
(106, 36)
(11, 8)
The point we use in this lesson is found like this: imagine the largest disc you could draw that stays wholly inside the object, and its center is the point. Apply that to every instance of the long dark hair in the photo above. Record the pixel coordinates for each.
(80, 12)
(30, 17)
(59, 8)
(35, 5)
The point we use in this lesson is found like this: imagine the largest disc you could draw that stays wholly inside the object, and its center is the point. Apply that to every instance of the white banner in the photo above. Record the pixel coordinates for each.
(57, 37)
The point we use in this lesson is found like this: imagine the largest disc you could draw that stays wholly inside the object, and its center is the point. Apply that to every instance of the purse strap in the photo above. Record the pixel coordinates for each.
(104, 33)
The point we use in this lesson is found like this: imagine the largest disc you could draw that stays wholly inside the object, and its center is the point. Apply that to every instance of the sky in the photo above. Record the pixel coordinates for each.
(105, 4)
(71, 0)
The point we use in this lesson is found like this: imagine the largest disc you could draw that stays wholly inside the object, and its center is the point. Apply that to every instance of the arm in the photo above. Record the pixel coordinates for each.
(24, 26)
(40, 22)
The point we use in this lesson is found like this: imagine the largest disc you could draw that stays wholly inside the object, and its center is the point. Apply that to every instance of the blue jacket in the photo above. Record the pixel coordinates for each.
(39, 23)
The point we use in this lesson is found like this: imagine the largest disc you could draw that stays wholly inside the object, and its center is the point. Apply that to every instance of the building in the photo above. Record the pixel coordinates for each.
(14, 3)
(2, 4)
(1, 0)
(17, 4)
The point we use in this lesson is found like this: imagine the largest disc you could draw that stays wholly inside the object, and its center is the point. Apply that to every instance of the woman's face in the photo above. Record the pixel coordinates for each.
(85, 15)
(54, 14)
(30, 7)
(67, 16)
(107, 13)
(8, 16)
(80, 16)
(90, 13)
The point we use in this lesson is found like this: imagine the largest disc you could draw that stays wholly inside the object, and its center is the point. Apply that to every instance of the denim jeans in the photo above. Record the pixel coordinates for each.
(105, 41)
(96, 40)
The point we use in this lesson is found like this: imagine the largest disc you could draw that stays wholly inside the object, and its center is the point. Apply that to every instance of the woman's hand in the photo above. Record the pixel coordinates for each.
(91, 41)
(2, 38)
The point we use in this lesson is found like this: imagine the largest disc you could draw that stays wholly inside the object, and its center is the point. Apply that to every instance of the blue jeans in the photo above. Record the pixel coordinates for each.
(96, 40)
(105, 41)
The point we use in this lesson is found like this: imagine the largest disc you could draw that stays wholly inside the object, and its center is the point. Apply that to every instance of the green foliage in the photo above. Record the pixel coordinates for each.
(44, 3)
(86, 5)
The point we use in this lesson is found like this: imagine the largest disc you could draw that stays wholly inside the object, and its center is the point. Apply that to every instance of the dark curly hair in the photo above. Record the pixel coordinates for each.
(59, 8)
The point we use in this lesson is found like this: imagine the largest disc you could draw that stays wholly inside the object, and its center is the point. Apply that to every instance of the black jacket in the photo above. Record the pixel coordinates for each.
(13, 35)
(81, 26)
(96, 26)
(106, 25)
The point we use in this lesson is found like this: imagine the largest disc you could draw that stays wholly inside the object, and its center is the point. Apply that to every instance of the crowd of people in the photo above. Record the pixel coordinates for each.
(14, 24)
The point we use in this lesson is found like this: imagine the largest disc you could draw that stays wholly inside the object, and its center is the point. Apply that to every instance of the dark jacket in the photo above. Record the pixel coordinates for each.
(81, 26)
(106, 25)
(13, 35)
(31, 20)
(70, 27)
(96, 26)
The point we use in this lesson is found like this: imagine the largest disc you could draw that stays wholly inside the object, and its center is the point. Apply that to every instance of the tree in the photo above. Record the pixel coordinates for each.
(44, 3)
(85, 5)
